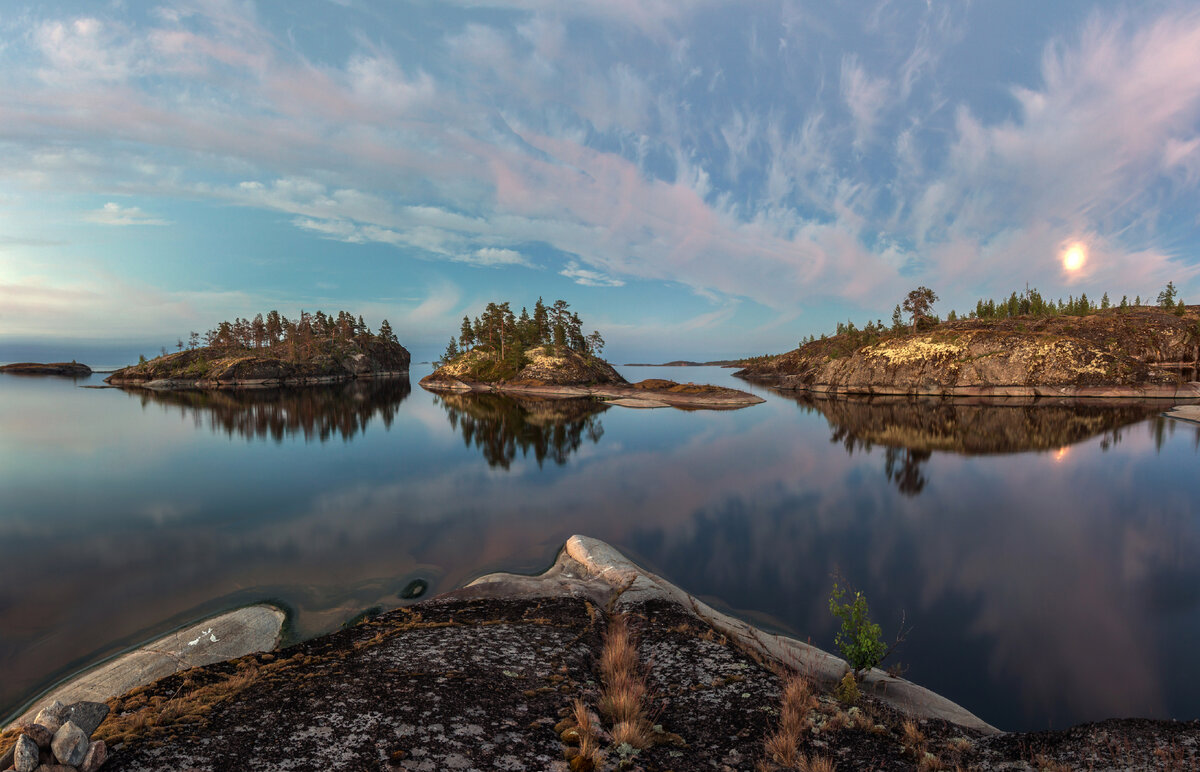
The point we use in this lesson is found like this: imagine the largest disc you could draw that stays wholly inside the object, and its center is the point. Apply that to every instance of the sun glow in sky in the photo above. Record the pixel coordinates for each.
(1074, 257)
(700, 179)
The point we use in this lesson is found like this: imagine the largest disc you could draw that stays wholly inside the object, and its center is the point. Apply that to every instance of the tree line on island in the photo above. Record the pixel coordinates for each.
(297, 338)
(918, 306)
(510, 335)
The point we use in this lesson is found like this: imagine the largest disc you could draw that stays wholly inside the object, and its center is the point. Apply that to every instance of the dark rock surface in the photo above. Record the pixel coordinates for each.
(212, 368)
(72, 369)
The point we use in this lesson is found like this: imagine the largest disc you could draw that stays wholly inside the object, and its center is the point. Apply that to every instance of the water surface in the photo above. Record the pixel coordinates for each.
(1047, 560)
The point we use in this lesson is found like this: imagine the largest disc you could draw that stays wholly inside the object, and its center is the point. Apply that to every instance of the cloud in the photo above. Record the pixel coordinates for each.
(493, 258)
(589, 278)
(115, 214)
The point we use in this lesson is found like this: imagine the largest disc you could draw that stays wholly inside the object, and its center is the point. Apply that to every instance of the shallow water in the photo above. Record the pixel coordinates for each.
(1047, 560)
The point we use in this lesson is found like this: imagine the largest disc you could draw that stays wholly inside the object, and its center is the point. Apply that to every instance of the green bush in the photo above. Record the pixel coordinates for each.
(860, 640)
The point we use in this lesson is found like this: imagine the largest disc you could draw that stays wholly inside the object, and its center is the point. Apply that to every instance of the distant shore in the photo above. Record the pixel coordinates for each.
(72, 369)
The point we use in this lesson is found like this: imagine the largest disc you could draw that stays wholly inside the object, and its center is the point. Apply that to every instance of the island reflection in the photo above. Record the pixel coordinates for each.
(911, 429)
(313, 412)
(498, 426)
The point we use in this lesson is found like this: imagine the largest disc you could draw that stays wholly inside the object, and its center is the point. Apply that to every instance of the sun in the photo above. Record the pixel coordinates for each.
(1074, 257)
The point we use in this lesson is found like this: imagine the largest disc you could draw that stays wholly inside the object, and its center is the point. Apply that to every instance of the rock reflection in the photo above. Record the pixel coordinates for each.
(314, 412)
(911, 429)
(498, 425)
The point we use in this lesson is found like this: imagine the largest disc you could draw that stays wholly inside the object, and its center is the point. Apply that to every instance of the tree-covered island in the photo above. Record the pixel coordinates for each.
(1024, 345)
(273, 350)
(546, 354)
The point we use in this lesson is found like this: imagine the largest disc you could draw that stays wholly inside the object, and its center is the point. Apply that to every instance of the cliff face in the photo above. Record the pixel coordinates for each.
(545, 366)
(1110, 351)
(215, 368)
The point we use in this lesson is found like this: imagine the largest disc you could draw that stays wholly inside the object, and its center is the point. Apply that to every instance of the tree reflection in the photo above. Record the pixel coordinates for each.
(498, 426)
(911, 429)
(314, 412)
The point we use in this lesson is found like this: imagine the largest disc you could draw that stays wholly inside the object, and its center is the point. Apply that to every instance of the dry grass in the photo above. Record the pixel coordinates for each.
(142, 715)
(816, 764)
(914, 738)
(623, 696)
(1046, 764)
(587, 755)
(795, 705)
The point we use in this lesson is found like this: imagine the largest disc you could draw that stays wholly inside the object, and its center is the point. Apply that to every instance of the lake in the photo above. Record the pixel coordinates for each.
(1047, 560)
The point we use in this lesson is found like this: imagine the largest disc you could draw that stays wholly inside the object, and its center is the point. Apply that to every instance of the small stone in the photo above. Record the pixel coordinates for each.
(87, 715)
(39, 734)
(96, 756)
(70, 744)
(52, 716)
(25, 756)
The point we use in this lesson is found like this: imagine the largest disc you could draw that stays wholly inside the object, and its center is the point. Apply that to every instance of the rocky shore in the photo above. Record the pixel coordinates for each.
(566, 374)
(71, 369)
(1112, 354)
(516, 673)
(216, 368)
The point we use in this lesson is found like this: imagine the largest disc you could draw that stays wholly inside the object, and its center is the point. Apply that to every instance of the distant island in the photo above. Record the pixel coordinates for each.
(546, 354)
(1022, 347)
(273, 351)
(72, 369)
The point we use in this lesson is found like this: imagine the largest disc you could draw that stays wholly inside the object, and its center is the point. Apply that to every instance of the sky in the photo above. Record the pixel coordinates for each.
(698, 179)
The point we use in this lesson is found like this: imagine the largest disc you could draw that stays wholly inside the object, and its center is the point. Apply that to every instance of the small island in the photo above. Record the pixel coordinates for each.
(273, 351)
(71, 369)
(546, 354)
(1024, 347)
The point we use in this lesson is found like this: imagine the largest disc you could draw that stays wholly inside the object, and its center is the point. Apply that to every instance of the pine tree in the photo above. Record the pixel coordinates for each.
(451, 352)
(1104, 302)
(898, 319)
(466, 333)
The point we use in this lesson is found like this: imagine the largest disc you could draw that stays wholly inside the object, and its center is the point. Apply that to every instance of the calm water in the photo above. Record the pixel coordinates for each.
(1047, 560)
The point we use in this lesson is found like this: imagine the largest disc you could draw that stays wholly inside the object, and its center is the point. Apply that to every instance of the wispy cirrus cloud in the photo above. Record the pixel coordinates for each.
(113, 213)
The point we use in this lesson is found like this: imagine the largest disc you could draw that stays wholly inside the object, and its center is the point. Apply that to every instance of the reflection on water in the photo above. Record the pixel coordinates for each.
(313, 412)
(911, 429)
(1048, 565)
(498, 426)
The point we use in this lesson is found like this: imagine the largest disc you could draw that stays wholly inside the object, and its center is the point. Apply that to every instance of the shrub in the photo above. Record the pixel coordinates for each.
(860, 640)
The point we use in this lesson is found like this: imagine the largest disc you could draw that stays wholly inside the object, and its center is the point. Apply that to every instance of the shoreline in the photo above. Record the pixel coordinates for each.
(1183, 392)
(425, 686)
(622, 396)
(183, 384)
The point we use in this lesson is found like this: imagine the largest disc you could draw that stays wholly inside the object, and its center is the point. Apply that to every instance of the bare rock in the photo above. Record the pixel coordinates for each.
(70, 744)
(25, 757)
(53, 716)
(55, 768)
(87, 715)
(39, 734)
(96, 756)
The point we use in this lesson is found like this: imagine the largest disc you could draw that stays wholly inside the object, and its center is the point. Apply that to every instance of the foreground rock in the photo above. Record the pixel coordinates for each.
(216, 368)
(484, 677)
(1115, 354)
(64, 748)
(72, 369)
(219, 638)
(566, 374)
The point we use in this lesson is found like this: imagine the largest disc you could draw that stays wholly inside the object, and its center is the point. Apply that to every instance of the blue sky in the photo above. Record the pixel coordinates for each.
(698, 179)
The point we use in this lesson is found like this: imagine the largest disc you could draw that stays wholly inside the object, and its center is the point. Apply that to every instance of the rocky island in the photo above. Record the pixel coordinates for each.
(274, 352)
(1118, 352)
(596, 664)
(71, 369)
(547, 355)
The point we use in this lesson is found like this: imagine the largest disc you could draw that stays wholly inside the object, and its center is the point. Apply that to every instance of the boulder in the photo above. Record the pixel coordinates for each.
(25, 755)
(70, 744)
(52, 716)
(87, 715)
(96, 756)
(39, 734)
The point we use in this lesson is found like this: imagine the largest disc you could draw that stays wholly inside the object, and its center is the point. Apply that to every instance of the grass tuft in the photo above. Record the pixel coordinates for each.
(622, 698)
